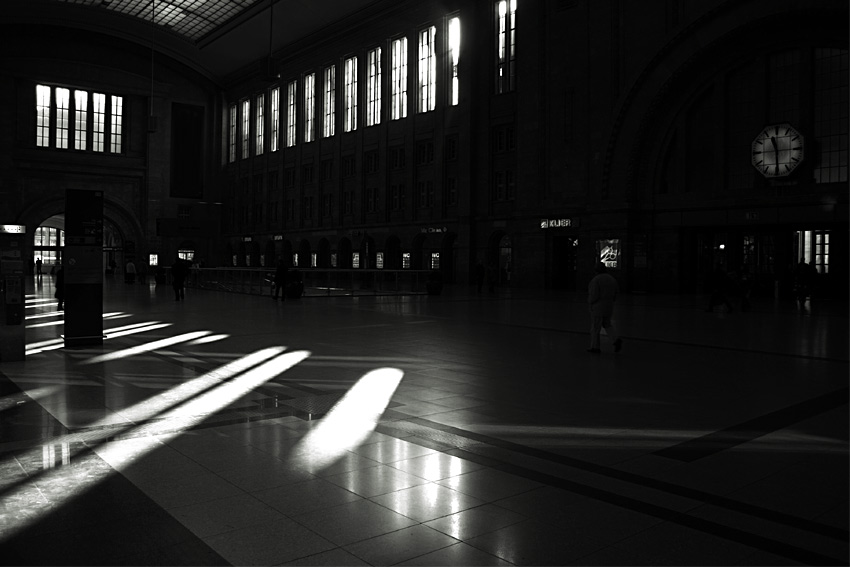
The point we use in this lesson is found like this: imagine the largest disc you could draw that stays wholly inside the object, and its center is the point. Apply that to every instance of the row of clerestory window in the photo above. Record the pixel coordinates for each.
(248, 120)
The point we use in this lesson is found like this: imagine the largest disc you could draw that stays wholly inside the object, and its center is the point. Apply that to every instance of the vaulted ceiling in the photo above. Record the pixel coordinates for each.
(217, 37)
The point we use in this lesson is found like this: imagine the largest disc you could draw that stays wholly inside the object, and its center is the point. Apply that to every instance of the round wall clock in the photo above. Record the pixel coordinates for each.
(777, 150)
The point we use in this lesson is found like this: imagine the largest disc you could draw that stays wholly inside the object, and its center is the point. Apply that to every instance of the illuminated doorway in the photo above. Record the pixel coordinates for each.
(48, 243)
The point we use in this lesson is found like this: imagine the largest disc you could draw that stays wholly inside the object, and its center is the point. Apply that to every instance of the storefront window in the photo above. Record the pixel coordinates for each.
(608, 252)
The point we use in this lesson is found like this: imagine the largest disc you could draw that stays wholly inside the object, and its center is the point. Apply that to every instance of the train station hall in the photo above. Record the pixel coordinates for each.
(402, 282)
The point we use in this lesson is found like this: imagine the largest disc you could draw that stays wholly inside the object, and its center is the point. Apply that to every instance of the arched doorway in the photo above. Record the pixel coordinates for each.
(304, 254)
(367, 252)
(344, 253)
(323, 256)
(49, 241)
(270, 255)
(392, 253)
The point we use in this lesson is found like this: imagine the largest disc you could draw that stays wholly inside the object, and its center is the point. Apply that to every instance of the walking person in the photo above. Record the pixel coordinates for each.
(178, 279)
(280, 274)
(601, 295)
(38, 268)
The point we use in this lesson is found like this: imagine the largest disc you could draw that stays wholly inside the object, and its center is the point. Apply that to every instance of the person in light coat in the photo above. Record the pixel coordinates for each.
(601, 295)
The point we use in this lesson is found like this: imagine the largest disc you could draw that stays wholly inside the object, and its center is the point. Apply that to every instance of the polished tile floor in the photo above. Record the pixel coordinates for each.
(460, 429)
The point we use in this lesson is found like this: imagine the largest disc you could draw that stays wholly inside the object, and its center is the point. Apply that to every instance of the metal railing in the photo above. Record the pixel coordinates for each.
(318, 282)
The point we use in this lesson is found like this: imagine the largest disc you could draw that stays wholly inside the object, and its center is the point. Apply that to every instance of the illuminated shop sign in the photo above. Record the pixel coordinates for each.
(12, 229)
(608, 252)
(246, 239)
(558, 223)
(432, 229)
(278, 237)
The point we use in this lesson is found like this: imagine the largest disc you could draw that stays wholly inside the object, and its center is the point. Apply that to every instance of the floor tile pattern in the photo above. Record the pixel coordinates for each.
(461, 429)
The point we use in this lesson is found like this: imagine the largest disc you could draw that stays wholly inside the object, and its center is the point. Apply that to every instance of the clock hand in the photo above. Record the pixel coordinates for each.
(775, 148)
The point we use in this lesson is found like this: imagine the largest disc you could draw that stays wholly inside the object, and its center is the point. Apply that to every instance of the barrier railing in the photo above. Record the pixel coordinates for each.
(318, 282)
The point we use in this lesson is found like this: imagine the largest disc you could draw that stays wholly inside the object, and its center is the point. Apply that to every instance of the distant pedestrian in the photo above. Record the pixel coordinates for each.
(745, 287)
(60, 287)
(178, 279)
(130, 272)
(601, 295)
(720, 285)
(38, 268)
(479, 276)
(280, 274)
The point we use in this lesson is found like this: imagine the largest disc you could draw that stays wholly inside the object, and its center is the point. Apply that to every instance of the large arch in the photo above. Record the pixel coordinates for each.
(664, 104)
(123, 224)
(711, 42)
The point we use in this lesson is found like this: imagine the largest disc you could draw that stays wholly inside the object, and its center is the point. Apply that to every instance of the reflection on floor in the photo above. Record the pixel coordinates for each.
(461, 429)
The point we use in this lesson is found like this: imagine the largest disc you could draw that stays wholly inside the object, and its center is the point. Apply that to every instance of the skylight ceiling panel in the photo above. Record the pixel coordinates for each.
(191, 18)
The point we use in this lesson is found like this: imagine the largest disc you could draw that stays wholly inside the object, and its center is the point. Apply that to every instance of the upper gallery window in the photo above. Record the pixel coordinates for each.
(116, 124)
(309, 107)
(259, 130)
(427, 85)
(329, 100)
(61, 118)
(275, 119)
(373, 88)
(246, 128)
(831, 103)
(98, 121)
(506, 45)
(454, 56)
(81, 101)
(398, 94)
(350, 102)
(291, 113)
(231, 141)
(63, 103)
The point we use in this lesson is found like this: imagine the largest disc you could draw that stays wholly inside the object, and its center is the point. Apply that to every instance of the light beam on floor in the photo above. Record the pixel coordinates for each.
(188, 407)
(147, 347)
(350, 421)
(14, 400)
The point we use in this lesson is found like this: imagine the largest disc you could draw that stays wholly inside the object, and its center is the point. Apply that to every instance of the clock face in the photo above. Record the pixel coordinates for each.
(777, 150)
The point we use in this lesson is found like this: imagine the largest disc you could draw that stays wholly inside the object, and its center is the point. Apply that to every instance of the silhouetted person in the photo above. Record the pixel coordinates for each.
(38, 269)
(178, 279)
(130, 272)
(60, 287)
(804, 277)
(720, 288)
(601, 295)
(745, 286)
(280, 274)
(478, 274)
